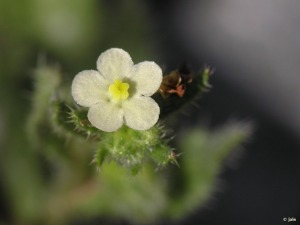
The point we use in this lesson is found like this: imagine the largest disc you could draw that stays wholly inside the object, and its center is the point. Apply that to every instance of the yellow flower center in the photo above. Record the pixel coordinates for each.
(119, 90)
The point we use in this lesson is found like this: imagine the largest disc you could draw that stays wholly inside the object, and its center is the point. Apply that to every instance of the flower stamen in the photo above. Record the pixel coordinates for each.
(119, 90)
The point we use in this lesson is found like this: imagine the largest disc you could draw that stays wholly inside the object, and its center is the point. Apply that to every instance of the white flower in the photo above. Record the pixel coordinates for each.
(119, 92)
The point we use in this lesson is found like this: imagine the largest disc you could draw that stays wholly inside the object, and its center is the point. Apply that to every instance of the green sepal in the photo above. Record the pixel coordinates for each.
(132, 148)
(100, 156)
(206, 73)
(67, 120)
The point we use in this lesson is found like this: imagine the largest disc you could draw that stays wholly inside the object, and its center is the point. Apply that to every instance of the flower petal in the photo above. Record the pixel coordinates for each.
(140, 113)
(114, 64)
(89, 87)
(148, 77)
(106, 116)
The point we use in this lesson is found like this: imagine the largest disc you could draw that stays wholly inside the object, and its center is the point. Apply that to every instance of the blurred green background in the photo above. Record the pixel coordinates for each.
(70, 35)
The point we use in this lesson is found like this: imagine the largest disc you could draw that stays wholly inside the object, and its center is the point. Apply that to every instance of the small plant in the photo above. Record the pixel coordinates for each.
(106, 137)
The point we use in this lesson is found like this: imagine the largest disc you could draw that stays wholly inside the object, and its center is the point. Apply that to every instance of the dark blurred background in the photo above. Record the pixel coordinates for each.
(253, 45)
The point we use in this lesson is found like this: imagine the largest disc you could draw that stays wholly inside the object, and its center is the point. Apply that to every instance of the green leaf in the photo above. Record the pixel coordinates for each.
(203, 154)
